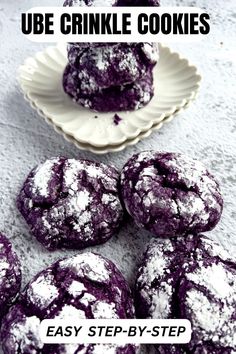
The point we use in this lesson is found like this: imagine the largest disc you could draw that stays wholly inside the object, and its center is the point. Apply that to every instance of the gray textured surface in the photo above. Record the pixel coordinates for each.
(206, 130)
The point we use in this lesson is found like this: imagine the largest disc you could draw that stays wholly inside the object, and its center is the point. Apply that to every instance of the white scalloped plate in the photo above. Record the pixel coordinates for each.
(176, 84)
(111, 148)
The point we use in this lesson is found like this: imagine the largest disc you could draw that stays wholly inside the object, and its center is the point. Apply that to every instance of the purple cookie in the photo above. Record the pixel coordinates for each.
(83, 286)
(138, 3)
(79, 3)
(170, 194)
(193, 278)
(71, 203)
(10, 275)
(103, 66)
(112, 99)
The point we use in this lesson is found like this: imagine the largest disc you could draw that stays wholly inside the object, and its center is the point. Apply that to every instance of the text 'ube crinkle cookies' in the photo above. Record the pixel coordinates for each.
(71, 203)
(10, 275)
(193, 278)
(170, 194)
(83, 286)
(109, 77)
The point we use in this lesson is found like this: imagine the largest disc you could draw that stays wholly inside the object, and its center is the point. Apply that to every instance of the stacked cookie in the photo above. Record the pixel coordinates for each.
(110, 77)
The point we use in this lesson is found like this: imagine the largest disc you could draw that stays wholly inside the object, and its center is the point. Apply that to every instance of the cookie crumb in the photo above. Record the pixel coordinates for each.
(117, 119)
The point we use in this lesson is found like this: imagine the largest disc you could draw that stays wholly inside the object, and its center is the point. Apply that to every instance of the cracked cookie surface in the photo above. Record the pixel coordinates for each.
(71, 203)
(170, 194)
(193, 278)
(110, 77)
(10, 274)
(103, 66)
(84, 286)
(111, 99)
(78, 3)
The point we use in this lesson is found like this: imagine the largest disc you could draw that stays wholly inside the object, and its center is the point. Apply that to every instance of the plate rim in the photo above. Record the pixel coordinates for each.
(108, 148)
(137, 131)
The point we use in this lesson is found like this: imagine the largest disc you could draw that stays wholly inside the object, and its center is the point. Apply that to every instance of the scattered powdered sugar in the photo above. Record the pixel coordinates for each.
(146, 97)
(72, 349)
(72, 169)
(99, 57)
(108, 3)
(94, 171)
(87, 83)
(96, 3)
(151, 51)
(216, 250)
(210, 318)
(70, 312)
(206, 295)
(83, 218)
(76, 288)
(144, 155)
(89, 265)
(129, 61)
(155, 267)
(4, 265)
(97, 349)
(207, 314)
(42, 291)
(160, 302)
(105, 348)
(190, 171)
(104, 310)
(70, 177)
(189, 205)
(108, 198)
(82, 199)
(216, 279)
(42, 177)
(87, 299)
(148, 171)
(45, 222)
(26, 333)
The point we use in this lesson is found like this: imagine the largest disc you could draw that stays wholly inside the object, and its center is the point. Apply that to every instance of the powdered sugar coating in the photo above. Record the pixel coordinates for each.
(195, 283)
(10, 275)
(102, 66)
(138, 3)
(76, 205)
(69, 283)
(96, 3)
(110, 77)
(170, 194)
(115, 98)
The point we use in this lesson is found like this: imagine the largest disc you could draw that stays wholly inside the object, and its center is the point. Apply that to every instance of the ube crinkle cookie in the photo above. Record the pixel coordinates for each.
(10, 275)
(96, 3)
(83, 286)
(71, 203)
(116, 98)
(104, 66)
(170, 194)
(138, 3)
(193, 278)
